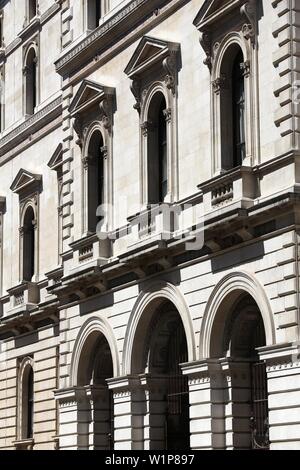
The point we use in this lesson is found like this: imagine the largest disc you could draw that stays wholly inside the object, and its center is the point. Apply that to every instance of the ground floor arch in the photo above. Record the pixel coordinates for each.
(94, 362)
(158, 348)
(237, 325)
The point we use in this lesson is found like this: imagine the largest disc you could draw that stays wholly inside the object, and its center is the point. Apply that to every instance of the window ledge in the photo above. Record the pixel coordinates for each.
(30, 27)
(24, 444)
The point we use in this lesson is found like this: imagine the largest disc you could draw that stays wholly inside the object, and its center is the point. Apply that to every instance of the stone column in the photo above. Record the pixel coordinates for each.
(206, 397)
(129, 409)
(237, 403)
(74, 415)
(99, 426)
(283, 374)
(154, 416)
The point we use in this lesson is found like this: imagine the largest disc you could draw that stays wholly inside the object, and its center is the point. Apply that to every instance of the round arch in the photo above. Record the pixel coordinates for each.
(25, 367)
(156, 88)
(93, 325)
(28, 205)
(156, 292)
(229, 289)
(31, 48)
(231, 39)
(94, 127)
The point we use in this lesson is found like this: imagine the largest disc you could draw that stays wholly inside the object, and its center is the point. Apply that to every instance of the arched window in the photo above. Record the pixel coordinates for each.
(157, 150)
(30, 72)
(238, 111)
(29, 245)
(32, 9)
(26, 400)
(231, 87)
(95, 183)
(28, 405)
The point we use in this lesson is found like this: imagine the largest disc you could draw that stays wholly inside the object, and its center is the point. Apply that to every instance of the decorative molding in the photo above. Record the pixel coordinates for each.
(31, 125)
(213, 12)
(25, 180)
(91, 326)
(155, 291)
(102, 37)
(149, 53)
(230, 284)
(56, 161)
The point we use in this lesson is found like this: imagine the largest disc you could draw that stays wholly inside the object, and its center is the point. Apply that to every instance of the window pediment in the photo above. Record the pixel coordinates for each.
(25, 181)
(211, 22)
(55, 161)
(88, 94)
(213, 11)
(149, 52)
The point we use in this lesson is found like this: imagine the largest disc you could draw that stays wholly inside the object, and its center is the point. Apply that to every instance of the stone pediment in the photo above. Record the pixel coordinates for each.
(150, 51)
(56, 160)
(24, 181)
(213, 10)
(88, 94)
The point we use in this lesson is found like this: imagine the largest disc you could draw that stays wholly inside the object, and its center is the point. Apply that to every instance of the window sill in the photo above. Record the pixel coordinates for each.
(30, 27)
(24, 444)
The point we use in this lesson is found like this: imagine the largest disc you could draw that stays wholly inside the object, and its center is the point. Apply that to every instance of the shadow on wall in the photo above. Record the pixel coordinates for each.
(97, 303)
(238, 257)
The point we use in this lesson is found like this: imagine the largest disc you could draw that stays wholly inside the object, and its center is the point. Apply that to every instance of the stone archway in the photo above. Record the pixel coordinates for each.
(88, 403)
(159, 339)
(237, 323)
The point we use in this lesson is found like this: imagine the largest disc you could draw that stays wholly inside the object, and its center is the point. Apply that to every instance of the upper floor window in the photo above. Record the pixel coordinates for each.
(95, 10)
(28, 186)
(2, 210)
(153, 70)
(32, 9)
(1, 29)
(55, 163)
(31, 80)
(157, 150)
(29, 244)
(230, 89)
(93, 108)
(2, 97)
(95, 169)
(228, 36)
(238, 110)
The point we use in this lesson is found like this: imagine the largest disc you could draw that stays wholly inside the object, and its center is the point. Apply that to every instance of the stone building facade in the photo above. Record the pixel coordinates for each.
(149, 224)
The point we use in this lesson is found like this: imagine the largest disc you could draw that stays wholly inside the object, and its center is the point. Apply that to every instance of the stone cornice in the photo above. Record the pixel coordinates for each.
(108, 33)
(31, 125)
(32, 27)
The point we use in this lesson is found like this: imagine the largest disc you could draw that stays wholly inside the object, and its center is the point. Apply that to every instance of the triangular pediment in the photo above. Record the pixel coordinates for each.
(87, 95)
(24, 180)
(149, 52)
(56, 160)
(213, 10)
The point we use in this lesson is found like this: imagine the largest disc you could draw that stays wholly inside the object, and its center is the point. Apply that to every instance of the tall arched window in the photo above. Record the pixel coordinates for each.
(238, 112)
(157, 150)
(95, 184)
(29, 404)
(231, 88)
(32, 9)
(25, 428)
(29, 245)
(30, 72)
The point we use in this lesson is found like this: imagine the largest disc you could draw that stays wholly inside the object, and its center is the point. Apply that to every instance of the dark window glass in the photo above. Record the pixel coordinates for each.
(238, 102)
(30, 405)
(162, 153)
